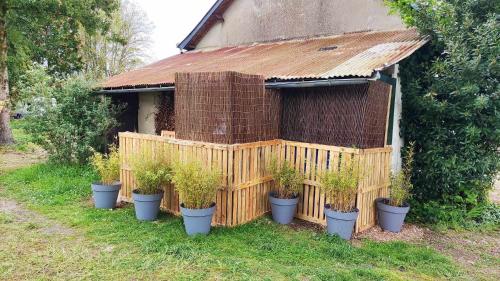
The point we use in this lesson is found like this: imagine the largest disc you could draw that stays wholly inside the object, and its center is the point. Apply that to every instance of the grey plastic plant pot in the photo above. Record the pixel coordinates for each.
(391, 218)
(147, 206)
(197, 221)
(283, 210)
(340, 223)
(105, 195)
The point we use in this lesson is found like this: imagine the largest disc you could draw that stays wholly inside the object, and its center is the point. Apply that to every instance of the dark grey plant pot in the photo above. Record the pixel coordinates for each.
(283, 210)
(391, 218)
(105, 195)
(340, 223)
(197, 221)
(147, 206)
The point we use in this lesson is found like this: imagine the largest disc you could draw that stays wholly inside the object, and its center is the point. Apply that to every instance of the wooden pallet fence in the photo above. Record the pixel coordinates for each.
(168, 134)
(374, 184)
(246, 179)
(246, 182)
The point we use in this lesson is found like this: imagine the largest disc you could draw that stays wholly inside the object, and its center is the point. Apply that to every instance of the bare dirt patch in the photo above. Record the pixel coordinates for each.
(11, 160)
(409, 233)
(477, 252)
(19, 214)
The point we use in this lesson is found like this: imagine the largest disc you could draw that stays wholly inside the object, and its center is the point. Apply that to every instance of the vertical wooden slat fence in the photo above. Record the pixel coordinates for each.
(246, 180)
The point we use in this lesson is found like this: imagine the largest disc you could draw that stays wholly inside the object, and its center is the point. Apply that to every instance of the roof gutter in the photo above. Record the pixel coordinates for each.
(269, 85)
(316, 83)
(136, 90)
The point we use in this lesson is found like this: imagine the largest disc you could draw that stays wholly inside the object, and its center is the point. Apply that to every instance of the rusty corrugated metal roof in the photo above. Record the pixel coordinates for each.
(348, 55)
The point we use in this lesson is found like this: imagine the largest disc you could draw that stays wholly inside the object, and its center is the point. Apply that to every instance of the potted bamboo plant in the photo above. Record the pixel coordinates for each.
(341, 188)
(197, 187)
(105, 192)
(151, 173)
(284, 198)
(392, 211)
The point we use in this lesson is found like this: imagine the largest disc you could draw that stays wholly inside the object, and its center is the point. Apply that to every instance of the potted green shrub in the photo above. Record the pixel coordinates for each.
(392, 211)
(197, 187)
(341, 188)
(105, 192)
(284, 198)
(151, 173)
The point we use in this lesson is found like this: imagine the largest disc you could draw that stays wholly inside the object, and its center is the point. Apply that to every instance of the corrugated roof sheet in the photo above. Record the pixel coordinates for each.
(348, 55)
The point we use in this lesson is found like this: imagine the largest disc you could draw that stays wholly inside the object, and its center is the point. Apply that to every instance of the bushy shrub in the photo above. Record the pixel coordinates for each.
(107, 165)
(197, 185)
(66, 118)
(451, 105)
(151, 171)
(341, 187)
(485, 214)
(401, 186)
(288, 180)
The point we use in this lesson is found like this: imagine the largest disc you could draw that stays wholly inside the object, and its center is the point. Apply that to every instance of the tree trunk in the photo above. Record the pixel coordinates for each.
(5, 131)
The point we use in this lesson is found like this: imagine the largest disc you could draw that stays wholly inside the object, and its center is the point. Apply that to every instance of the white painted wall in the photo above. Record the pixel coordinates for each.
(397, 141)
(147, 109)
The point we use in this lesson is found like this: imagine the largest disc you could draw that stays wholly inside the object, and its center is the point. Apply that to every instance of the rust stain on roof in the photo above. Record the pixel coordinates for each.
(348, 55)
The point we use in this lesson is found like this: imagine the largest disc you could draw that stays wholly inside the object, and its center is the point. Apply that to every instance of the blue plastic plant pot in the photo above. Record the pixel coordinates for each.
(283, 210)
(391, 218)
(104, 195)
(147, 206)
(197, 221)
(340, 223)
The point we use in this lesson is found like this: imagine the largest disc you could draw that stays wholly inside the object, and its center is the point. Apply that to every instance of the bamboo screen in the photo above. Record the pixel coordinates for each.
(347, 116)
(225, 107)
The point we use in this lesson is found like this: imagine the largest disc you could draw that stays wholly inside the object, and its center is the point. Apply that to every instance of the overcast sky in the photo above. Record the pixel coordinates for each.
(172, 20)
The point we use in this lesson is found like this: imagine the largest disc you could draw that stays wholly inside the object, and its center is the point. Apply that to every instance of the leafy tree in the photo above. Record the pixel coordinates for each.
(122, 47)
(66, 118)
(451, 105)
(47, 32)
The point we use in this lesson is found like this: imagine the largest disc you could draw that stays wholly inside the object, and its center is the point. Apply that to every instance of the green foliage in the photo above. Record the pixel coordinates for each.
(151, 171)
(341, 187)
(67, 119)
(107, 165)
(401, 186)
(120, 48)
(197, 185)
(451, 105)
(49, 32)
(23, 141)
(486, 214)
(35, 82)
(288, 180)
(253, 251)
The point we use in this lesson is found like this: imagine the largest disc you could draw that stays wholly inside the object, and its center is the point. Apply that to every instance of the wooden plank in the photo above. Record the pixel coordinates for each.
(321, 146)
(244, 192)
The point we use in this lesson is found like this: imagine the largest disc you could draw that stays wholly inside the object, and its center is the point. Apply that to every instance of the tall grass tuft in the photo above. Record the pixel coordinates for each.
(107, 165)
(288, 180)
(341, 187)
(151, 170)
(401, 185)
(197, 185)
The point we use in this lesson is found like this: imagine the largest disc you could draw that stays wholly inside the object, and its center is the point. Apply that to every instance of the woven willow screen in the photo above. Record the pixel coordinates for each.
(350, 115)
(165, 114)
(225, 107)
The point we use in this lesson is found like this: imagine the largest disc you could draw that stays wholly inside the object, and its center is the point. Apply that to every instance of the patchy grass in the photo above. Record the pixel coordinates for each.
(23, 152)
(23, 141)
(114, 245)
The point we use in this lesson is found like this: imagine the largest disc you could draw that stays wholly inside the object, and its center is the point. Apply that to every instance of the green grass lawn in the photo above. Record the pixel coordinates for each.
(23, 141)
(114, 245)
